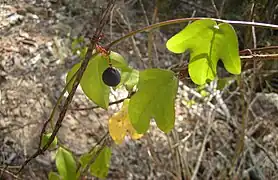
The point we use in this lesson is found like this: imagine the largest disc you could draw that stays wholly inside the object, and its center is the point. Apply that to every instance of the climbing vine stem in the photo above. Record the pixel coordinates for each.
(182, 20)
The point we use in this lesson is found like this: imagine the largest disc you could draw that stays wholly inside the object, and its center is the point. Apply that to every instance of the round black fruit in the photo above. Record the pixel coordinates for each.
(111, 77)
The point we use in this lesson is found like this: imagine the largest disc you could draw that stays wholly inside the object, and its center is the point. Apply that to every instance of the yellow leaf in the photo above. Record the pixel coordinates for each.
(116, 127)
(120, 126)
(131, 131)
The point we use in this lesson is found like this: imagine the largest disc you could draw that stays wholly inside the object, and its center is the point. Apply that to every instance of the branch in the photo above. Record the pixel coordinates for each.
(265, 151)
(2, 174)
(95, 107)
(262, 49)
(260, 56)
(102, 140)
(215, 9)
(74, 87)
(111, 103)
(182, 20)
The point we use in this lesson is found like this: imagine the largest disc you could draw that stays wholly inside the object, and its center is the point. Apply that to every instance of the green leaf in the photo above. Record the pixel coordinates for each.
(91, 82)
(228, 50)
(118, 60)
(184, 39)
(53, 176)
(65, 164)
(75, 45)
(155, 98)
(45, 139)
(83, 53)
(100, 167)
(207, 43)
(86, 158)
(130, 78)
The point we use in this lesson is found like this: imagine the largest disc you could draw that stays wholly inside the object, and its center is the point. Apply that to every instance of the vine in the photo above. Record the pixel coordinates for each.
(152, 92)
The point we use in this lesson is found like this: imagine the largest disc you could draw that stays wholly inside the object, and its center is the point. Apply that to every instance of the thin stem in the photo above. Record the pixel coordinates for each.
(269, 48)
(76, 82)
(92, 149)
(95, 107)
(182, 20)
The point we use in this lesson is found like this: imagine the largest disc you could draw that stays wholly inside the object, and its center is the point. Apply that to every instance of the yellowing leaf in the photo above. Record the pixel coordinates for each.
(120, 126)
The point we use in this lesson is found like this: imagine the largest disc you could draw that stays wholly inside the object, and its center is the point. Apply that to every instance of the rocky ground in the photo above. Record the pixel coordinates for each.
(35, 57)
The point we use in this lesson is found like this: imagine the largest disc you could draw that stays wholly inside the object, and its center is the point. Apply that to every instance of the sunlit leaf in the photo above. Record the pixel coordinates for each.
(207, 43)
(120, 126)
(100, 167)
(155, 98)
(228, 50)
(65, 164)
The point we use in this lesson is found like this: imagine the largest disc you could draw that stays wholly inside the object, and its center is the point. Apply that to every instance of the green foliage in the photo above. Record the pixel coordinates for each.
(155, 98)
(190, 103)
(76, 44)
(91, 82)
(53, 176)
(65, 164)
(221, 83)
(45, 139)
(85, 159)
(204, 93)
(130, 78)
(101, 164)
(77, 47)
(207, 43)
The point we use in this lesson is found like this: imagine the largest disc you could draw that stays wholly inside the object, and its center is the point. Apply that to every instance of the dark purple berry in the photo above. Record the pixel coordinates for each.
(111, 77)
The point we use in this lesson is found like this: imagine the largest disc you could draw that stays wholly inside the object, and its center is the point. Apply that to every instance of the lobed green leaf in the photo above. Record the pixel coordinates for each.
(155, 98)
(207, 43)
